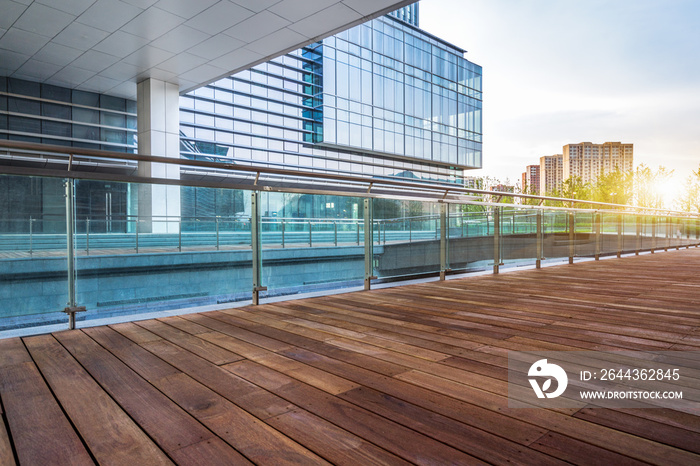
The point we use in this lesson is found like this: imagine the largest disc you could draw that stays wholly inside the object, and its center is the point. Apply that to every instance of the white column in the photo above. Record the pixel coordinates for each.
(159, 135)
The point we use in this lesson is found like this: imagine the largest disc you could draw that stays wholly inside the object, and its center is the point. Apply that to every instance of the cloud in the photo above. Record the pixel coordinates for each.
(559, 72)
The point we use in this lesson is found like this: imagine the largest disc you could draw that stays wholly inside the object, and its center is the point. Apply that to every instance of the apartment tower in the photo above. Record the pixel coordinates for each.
(589, 161)
(531, 180)
(551, 173)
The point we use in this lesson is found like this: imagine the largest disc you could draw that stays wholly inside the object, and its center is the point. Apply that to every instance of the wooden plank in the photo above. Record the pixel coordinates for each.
(333, 443)
(40, 431)
(174, 430)
(109, 433)
(326, 382)
(464, 412)
(656, 431)
(250, 436)
(250, 397)
(256, 440)
(484, 445)
(594, 434)
(578, 452)
(307, 429)
(184, 324)
(295, 340)
(136, 333)
(208, 351)
(238, 333)
(386, 434)
(13, 353)
(7, 457)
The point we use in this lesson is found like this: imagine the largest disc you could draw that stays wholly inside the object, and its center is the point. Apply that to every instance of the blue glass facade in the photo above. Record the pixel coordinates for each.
(383, 99)
(41, 113)
(389, 88)
(408, 14)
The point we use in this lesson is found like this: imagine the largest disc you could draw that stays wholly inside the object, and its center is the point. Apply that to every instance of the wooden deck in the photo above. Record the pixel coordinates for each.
(412, 374)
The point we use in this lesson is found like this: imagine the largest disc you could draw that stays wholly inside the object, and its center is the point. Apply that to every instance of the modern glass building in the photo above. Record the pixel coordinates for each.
(383, 99)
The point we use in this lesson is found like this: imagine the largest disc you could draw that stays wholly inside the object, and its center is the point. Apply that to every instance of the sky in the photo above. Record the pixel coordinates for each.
(566, 71)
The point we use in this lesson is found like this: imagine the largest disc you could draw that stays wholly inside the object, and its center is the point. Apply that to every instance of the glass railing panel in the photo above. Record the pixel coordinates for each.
(406, 237)
(645, 232)
(609, 233)
(555, 231)
(691, 232)
(470, 245)
(679, 232)
(584, 234)
(135, 255)
(311, 242)
(518, 237)
(629, 233)
(33, 252)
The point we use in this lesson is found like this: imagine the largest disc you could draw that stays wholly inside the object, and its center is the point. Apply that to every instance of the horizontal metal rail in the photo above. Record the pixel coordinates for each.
(401, 188)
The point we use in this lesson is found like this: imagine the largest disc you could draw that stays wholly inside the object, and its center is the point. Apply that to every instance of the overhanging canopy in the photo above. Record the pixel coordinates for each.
(107, 46)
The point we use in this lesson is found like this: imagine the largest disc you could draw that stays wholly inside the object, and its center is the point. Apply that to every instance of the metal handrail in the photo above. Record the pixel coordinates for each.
(369, 183)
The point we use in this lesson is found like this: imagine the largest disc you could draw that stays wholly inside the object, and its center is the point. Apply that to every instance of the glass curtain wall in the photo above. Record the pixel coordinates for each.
(41, 113)
(389, 88)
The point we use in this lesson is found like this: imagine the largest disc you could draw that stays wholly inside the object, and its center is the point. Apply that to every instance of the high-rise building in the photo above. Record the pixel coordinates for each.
(383, 99)
(530, 183)
(551, 173)
(408, 14)
(589, 161)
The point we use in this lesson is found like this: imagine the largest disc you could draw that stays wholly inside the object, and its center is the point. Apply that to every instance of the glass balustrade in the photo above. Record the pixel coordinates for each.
(109, 249)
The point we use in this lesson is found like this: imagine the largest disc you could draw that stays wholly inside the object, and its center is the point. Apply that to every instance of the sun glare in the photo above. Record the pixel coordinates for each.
(669, 189)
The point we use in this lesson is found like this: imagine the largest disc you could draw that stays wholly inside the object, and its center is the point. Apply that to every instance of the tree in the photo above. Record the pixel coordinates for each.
(689, 200)
(646, 186)
(527, 189)
(575, 188)
(481, 183)
(614, 187)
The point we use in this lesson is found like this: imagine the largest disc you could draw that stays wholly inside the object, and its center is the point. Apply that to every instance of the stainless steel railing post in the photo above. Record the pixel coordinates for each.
(443, 241)
(256, 246)
(619, 235)
(31, 236)
(572, 236)
(496, 239)
(369, 244)
(597, 236)
(217, 233)
(538, 240)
